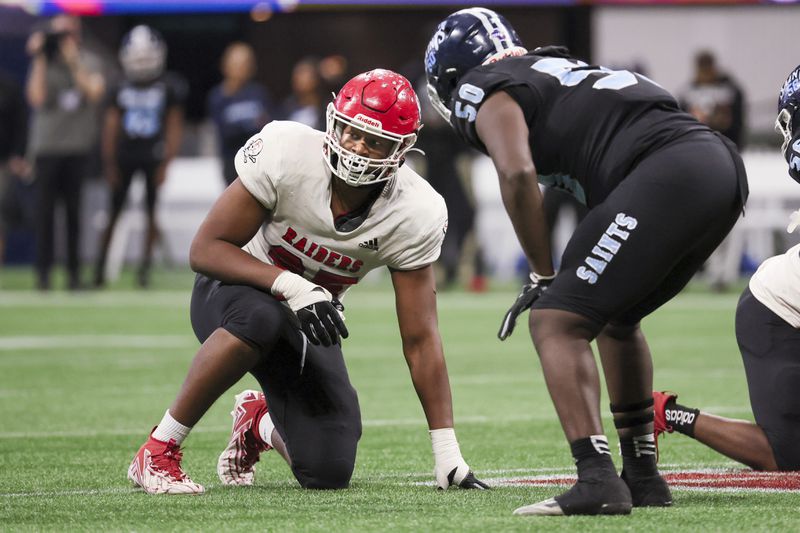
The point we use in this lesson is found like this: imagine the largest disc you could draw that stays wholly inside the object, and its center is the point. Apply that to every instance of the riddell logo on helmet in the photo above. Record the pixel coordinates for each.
(679, 417)
(368, 121)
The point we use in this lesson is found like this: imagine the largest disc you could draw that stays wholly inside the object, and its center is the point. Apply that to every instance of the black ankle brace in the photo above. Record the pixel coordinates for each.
(592, 454)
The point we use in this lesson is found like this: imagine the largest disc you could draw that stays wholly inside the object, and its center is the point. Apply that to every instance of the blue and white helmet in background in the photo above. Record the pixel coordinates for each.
(143, 54)
(788, 104)
(464, 40)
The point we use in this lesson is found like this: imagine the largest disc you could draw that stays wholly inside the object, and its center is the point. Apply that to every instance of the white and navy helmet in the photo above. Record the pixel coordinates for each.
(788, 104)
(464, 40)
(143, 54)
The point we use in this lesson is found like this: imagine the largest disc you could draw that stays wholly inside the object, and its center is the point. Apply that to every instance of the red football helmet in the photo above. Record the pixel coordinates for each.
(381, 103)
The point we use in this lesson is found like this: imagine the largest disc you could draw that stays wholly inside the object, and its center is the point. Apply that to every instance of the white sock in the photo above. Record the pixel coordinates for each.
(169, 428)
(265, 428)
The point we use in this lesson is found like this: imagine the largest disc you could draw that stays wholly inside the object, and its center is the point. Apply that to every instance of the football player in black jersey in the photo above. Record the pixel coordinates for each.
(141, 132)
(662, 190)
(768, 334)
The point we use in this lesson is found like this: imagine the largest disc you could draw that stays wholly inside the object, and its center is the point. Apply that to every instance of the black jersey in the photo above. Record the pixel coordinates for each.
(589, 125)
(143, 111)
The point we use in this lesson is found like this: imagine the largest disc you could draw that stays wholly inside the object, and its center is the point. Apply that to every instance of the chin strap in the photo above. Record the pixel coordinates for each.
(794, 221)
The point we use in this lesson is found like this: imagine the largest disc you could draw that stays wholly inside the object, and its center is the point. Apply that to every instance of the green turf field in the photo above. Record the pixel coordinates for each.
(84, 377)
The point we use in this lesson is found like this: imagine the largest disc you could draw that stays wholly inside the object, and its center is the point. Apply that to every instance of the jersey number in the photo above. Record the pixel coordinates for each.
(471, 94)
(571, 73)
(141, 123)
(285, 259)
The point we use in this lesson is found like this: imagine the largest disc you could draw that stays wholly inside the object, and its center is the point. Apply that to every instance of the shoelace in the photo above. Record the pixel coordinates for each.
(169, 462)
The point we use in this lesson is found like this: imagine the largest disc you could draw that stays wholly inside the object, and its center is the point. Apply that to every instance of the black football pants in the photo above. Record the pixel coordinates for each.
(638, 248)
(770, 349)
(311, 401)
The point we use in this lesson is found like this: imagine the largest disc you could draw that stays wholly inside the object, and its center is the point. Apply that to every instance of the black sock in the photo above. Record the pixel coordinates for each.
(681, 418)
(592, 456)
(639, 455)
(634, 422)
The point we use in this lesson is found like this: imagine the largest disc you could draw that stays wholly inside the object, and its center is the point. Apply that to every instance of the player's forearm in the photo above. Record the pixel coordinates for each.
(230, 264)
(108, 143)
(173, 133)
(523, 202)
(429, 376)
(36, 87)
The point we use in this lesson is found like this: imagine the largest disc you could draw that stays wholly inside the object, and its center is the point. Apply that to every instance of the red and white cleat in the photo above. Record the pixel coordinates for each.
(660, 400)
(660, 424)
(236, 462)
(157, 469)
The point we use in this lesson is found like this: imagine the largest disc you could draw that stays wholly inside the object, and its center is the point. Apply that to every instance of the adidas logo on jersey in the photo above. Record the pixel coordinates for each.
(371, 244)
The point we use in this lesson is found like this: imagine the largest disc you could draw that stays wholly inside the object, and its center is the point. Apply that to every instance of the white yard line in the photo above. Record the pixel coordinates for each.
(22, 299)
(375, 422)
(365, 299)
(388, 422)
(57, 342)
(60, 493)
(402, 477)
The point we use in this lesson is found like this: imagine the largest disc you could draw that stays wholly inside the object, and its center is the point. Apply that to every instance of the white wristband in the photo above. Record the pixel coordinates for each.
(537, 278)
(298, 291)
(445, 445)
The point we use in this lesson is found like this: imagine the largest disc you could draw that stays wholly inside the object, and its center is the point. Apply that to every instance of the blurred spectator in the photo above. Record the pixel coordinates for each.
(442, 150)
(64, 86)
(555, 202)
(141, 133)
(305, 104)
(333, 73)
(715, 99)
(238, 106)
(12, 149)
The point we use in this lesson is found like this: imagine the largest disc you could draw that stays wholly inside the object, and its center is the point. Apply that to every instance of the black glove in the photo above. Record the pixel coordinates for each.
(471, 482)
(322, 323)
(530, 293)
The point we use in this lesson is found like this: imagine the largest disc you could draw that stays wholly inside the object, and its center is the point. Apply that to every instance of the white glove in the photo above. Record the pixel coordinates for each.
(320, 321)
(450, 468)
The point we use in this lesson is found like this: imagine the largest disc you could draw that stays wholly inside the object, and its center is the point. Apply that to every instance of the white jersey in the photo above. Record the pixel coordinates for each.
(283, 168)
(776, 284)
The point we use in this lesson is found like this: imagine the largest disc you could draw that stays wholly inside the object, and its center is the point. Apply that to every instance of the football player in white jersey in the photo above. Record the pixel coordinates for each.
(310, 214)
(768, 333)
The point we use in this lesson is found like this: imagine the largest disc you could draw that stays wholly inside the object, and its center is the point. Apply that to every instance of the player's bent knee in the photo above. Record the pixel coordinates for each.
(621, 332)
(260, 325)
(549, 323)
(324, 474)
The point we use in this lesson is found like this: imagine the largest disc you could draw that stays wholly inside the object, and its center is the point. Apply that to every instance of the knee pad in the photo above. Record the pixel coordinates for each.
(324, 474)
(259, 325)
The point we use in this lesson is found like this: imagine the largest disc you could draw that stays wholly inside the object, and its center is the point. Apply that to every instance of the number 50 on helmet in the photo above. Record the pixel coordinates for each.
(381, 103)
(464, 40)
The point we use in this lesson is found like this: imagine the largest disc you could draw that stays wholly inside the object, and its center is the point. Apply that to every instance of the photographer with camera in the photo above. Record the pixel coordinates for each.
(64, 88)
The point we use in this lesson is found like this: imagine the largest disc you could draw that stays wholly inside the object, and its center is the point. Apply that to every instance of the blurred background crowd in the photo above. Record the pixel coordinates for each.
(118, 130)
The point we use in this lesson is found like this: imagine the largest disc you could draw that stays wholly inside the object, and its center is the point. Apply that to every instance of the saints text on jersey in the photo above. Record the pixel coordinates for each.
(606, 248)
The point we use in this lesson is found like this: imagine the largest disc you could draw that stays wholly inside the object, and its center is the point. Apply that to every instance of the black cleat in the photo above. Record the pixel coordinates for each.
(606, 494)
(648, 491)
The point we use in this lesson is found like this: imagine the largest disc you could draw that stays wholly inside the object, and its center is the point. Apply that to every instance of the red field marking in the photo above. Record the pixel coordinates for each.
(737, 479)
(695, 479)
